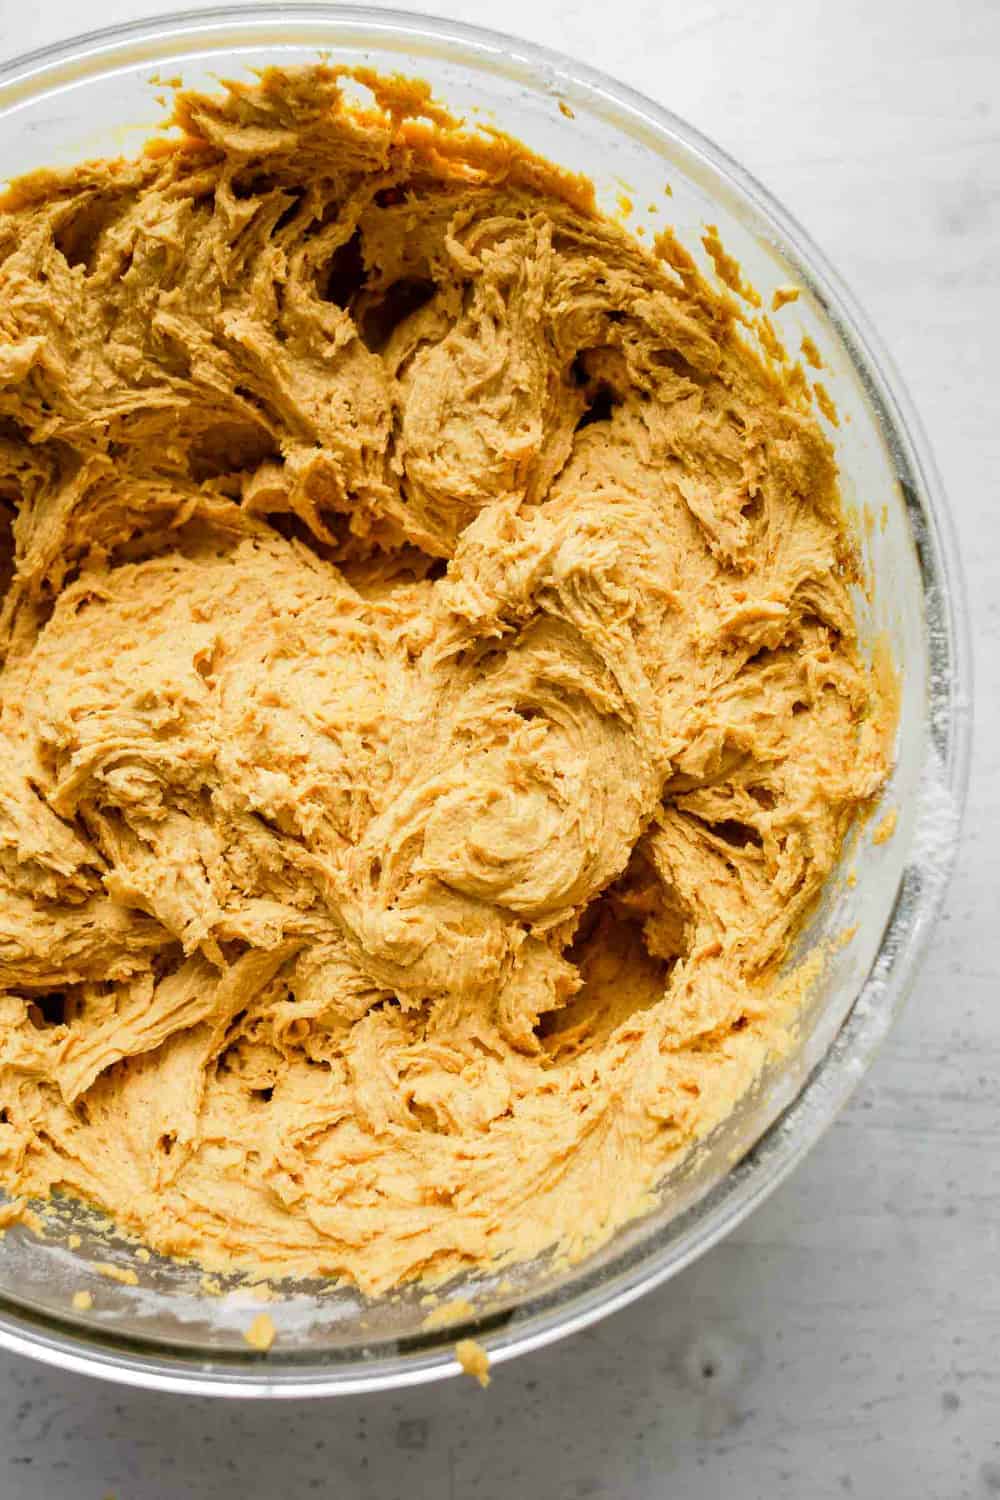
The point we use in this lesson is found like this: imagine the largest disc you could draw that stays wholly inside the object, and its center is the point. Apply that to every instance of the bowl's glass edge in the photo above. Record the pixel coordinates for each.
(791, 1135)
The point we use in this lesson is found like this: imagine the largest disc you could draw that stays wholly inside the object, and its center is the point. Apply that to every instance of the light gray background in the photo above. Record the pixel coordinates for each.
(845, 1340)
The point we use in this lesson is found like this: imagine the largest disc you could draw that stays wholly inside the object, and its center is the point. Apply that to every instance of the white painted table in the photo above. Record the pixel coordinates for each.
(845, 1341)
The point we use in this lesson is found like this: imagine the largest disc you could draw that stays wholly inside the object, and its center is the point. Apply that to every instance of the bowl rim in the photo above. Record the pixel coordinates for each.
(787, 1139)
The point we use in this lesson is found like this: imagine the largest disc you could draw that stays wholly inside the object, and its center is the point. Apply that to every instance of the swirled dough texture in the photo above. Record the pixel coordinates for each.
(431, 697)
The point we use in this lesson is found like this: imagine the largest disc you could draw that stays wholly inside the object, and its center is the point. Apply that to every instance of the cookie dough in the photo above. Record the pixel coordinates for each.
(474, 1361)
(261, 1333)
(431, 696)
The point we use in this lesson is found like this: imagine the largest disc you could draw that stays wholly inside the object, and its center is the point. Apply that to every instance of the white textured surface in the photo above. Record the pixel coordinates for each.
(844, 1341)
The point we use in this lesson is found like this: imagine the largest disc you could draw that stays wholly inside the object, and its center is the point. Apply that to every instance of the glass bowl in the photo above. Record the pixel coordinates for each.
(96, 96)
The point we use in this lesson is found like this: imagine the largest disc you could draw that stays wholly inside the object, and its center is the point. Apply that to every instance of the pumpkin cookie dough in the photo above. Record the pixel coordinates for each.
(431, 700)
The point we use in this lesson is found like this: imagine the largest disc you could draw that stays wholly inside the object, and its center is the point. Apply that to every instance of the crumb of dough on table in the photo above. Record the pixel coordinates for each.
(474, 1360)
(431, 700)
(83, 1301)
(261, 1333)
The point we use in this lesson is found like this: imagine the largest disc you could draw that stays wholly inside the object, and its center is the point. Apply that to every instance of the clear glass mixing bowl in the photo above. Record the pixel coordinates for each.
(96, 96)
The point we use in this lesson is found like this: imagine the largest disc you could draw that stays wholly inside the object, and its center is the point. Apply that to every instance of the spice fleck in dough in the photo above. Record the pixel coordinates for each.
(431, 699)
